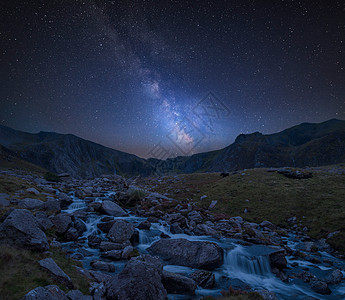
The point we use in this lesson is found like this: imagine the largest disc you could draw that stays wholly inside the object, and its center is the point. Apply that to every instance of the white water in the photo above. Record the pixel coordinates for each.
(252, 267)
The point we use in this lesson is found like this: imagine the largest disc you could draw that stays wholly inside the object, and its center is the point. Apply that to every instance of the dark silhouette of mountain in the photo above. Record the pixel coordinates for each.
(307, 144)
(80, 158)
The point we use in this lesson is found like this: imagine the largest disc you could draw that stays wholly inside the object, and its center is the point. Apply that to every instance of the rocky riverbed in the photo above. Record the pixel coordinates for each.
(136, 244)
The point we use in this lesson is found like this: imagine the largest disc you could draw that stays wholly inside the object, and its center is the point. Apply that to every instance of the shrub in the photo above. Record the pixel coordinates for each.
(49, 176)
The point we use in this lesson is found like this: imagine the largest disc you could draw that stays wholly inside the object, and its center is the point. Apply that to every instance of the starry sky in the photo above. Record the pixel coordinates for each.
(167, 78)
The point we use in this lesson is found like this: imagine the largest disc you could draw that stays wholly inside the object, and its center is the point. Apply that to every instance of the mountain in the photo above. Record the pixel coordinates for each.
(80, 158)
(307, 144)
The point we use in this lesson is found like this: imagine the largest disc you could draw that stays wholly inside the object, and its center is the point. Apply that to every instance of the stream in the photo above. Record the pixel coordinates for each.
(243, 265)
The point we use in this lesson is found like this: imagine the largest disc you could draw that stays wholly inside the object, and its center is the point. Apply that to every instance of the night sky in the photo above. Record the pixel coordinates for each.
(167, 78)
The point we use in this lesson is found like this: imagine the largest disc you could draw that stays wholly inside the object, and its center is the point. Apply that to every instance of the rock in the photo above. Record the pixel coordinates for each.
(135, 238)
(43, 221)
(94, 240)
(334, 277)
(127, 252)
(52, 205)
(97, 290)
(77, 295)
(30, 203)
(79, 225)
(61, 222)
(145, 225)
(121, 231)
(54, 270)
(267, 225)
(102, 266)
(195, 216)
(3, 199)
(50, 292)
(213, 204)
(112, 209)
(266, 295)
(107, 246)
(294, 174)
(113, 254)
(196, 254)
(224, 174)
(320, 287)
(71, 234)
(204, 279)
(33, 191)
(203, 229)
(20, 228)
(105, 226)
(178, 284)
(277, 259)
(140, 280)
(176, 229)
(65, 200)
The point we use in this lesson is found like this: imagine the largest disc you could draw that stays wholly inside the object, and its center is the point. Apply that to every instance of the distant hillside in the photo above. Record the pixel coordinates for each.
(68, 153)
(303, 145)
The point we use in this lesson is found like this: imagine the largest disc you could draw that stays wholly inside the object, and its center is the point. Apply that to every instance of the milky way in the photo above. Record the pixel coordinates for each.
(168, 78)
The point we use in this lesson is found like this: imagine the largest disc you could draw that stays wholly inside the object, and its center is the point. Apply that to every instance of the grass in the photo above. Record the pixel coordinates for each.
(20, 272)
(318, 202)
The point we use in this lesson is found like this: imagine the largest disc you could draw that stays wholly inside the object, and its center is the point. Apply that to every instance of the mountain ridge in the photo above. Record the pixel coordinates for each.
(306, 144)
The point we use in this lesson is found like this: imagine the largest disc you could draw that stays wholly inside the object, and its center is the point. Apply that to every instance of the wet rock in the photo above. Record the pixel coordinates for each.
(267, 295)
(135, 238)
(3, 199)
(140, 280)
(203, 229)
(94, 240)
(113, 254)
(145, 225)
(175, 229)
(50, 292)
(320, 287)
(178, 284)
(112, 209)
(195, 216)
(280, 275)
(54, 270)
(71, 234)
(98, 290)
(204, 279)
(61, 222)
(127, 252)
(20, 228)
(196, 254)
(121, 231)
(65, 200)
(107, 246)
(106, 226)
(30, 203)
(79, 225)
(102, 266)
(278, 260)
(334, 277)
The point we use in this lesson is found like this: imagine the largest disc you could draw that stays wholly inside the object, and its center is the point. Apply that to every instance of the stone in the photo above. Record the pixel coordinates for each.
(140, 279)
(77, 295)
(107, 246)
(94, 240)
(3, 199)
(178, 284)
(20, 228)
(112, 209)
(55, 271)
(61, 222)
(30, 203)
(71, 234)
(195, 216)
(43, 221)
(320, 287)
(145, 225)
(176, 229)
(205, 279)
(79, 225)
(334, 277)
(213, 204)
(126, 253)
(50, 292)
(120, 232)
(52, 205)
(112, 254)
(105, 226)
(102, 266)
(65, 200)
(195, 254)
(203, 229)
(33, 191)
(277, 259)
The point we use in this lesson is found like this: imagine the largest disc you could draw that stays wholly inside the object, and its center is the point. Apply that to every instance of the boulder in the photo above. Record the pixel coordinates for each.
(278, 260)
(126, 253)
(77, 295)
(65, 200)
(334, 277)
(320, 287)
(71, 234)
(203, 229)
(196, 254)
(120, 232)
(79, 225)
(49, 265)
(94, 240)
(50, 292)
(105, 226)
(43, 221)
(32, 190)
(20, 228)
(112, 209)
(30, 203)
(52, 205)
(61, 222)
(3, 199)
(102, 266)
(139, 280)
(145, 225)
(178, 284)
(107, 246)
(205, 279)
(113, 254)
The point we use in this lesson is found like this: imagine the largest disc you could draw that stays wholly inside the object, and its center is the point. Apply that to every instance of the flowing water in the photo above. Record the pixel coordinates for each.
(247, 265)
